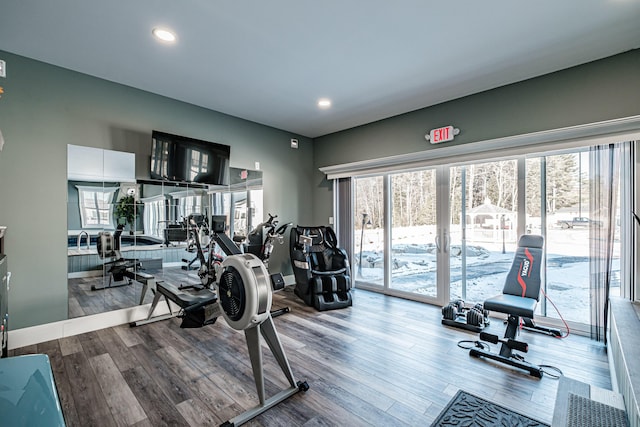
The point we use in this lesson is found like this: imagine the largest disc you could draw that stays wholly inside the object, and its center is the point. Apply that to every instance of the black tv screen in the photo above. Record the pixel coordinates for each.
(182, 159)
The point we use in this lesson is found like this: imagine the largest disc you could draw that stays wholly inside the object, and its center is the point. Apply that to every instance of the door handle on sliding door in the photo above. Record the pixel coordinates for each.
(439, 245)
(447, 241)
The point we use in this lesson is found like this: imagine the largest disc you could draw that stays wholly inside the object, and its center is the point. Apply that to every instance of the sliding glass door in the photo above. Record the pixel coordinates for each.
(450, 232)
(414, 238)
(369, 236)
(484, 217)
(399, 241)
(559, 188)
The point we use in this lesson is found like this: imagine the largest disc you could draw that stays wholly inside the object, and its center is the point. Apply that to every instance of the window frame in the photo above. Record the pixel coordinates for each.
(87, 211)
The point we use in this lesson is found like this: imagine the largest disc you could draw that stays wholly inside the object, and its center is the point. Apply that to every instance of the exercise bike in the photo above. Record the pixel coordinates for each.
(194, 226)
(212, 260)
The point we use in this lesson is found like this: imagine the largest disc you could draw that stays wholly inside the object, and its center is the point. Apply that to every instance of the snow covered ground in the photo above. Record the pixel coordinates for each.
(414, 266)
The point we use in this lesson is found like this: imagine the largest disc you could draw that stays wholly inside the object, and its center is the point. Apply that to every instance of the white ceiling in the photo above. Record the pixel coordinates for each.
(270, 61)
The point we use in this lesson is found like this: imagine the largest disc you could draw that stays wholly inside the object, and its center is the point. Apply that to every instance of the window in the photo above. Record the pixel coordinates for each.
(413, 231)
(187, 202)
(368, 220)
(159, 157)
(199, 164)
(483, 203)
(96, 206)
(449, 231)
(155, 216)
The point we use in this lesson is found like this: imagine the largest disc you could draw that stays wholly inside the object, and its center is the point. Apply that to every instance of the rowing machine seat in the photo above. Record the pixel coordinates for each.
(197, 307)
(186, 299)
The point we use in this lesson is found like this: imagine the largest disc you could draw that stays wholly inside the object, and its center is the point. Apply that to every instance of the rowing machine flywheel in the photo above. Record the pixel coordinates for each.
(244, 291)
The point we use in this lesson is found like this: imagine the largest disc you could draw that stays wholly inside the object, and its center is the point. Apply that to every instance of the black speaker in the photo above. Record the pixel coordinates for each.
(277, 281)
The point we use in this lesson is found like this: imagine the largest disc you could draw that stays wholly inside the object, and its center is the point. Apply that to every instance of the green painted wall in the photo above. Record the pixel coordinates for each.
(597, 91)
(44, 108)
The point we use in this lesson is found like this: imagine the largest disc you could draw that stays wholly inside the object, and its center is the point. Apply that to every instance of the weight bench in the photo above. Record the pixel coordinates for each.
(197, 307)
(519, 298)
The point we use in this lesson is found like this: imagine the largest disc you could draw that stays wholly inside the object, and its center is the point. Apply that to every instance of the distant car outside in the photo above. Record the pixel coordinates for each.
(578, 221)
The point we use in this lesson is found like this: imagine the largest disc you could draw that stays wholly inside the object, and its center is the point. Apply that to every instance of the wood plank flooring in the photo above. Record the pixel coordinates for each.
(384, 362)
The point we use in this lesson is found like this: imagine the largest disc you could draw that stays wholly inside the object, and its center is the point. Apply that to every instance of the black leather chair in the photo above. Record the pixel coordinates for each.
(321, 269)
(518, 300)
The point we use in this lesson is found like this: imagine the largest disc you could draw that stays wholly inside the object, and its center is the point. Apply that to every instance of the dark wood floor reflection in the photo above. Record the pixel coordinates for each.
(383, 362)
(83, 300)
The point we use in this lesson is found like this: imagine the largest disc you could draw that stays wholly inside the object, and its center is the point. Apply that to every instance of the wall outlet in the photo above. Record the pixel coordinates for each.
(294, 143)
(3, 68)
(257, 166)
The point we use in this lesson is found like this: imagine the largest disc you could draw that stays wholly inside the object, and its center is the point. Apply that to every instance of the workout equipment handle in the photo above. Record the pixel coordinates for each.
(512, 344)
(485, 336)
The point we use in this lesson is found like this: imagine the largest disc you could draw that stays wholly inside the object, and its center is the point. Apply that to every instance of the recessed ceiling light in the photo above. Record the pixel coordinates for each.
(164, 35)
(324, 103)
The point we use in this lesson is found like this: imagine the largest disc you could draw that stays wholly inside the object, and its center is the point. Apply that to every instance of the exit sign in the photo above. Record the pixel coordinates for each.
(443, 134)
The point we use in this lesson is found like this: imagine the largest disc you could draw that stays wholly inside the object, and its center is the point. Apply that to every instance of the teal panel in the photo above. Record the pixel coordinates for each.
(28, 395)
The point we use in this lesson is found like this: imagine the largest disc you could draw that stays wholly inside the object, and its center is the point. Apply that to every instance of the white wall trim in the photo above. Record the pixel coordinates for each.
(82, 274)
(80, 325)
(610, 131)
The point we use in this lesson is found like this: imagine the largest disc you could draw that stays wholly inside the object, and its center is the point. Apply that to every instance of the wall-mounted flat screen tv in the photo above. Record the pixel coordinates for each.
(182, 159)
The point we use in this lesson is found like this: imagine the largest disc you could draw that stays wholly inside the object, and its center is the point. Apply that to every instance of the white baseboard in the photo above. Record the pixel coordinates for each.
(80, 325)
(173, 264)
(81, 274)
(290, 280)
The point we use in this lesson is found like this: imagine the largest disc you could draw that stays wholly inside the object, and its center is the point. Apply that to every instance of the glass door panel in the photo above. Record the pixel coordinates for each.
(413, 233)
(484, 216)
(563, 180)
(369, 231)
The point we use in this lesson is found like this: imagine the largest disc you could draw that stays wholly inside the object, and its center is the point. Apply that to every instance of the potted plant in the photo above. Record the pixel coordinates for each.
(126, 211)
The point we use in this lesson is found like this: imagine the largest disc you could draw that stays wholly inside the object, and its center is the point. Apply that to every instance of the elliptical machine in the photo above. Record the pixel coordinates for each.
(260, 240)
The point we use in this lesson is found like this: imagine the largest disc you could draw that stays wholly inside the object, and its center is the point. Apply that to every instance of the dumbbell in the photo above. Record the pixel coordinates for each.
(453, 309)
(477, 315)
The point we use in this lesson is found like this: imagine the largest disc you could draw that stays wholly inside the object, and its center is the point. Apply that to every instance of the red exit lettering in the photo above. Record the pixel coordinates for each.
(443, 134)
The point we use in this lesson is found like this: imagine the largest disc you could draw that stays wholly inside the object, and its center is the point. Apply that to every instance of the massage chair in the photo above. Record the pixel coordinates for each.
(321, 268)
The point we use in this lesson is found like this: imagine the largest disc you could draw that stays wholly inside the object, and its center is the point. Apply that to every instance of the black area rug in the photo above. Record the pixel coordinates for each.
(468, 410)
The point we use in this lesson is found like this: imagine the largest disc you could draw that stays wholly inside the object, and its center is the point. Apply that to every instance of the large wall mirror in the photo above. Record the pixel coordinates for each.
(103, 195)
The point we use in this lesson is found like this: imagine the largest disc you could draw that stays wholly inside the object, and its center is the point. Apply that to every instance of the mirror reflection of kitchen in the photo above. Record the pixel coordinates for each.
(147, 219)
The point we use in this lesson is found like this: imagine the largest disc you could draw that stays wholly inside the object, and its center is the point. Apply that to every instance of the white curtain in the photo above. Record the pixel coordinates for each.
(604, 165)
(155, 216)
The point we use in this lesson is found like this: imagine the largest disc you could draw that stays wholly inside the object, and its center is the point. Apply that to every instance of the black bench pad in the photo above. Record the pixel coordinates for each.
(512, 304)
